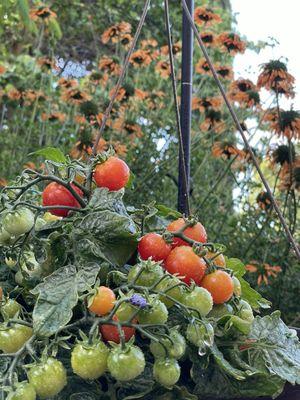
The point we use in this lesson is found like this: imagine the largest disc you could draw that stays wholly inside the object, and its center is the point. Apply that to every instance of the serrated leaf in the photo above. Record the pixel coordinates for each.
(226, 366)
(52, 154)
(86, 276)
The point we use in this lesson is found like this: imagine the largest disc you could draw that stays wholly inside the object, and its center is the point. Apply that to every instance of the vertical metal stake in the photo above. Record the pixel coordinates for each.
(186, 107)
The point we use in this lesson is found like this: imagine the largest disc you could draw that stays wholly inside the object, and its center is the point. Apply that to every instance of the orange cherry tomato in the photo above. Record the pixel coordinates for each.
(110, 333)
(219, 261)
(103, 302)
(220, 285)
(184, 262)
(153, 245)
(196, 232)
(112, 174)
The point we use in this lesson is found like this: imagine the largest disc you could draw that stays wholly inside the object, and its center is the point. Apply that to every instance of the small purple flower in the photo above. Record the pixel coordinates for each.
(138, 301)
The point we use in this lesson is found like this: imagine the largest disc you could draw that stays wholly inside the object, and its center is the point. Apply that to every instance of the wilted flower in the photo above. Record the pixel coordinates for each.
(42, 13)
(75, 96)
(226, 150)
(274, 76)
(140, 58)
(264, 271)
(264, 201)
(232, 43)
(206, 16)
(115, 32)
(213, 121)
(286, 124)
(109, 65)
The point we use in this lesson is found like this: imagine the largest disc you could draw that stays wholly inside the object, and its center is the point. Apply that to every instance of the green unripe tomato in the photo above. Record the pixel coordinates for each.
(12, 339)
(237, 288)
(5, 237)
(89, 361)
(200, 299)
(245, 311)
(148, 273)
(126, 364)
(166, 372)
(175, 347)
(19, 278)
(220, 310)
(10, 309)
(167, 286)
(200, 335)
(24, 391)
(125, 312)
(18, 222)
(157, 313)
(48, 378)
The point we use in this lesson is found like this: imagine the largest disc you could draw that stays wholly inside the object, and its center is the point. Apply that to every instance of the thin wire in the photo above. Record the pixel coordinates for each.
(238, 125)
(177, 113)
(121, 76)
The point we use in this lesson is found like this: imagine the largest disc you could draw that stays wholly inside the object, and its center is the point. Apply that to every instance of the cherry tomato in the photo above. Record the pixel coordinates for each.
(89, 361)
(112, 174)
(157, 313)
(196, 334)
(126, 364)
(196, 232)
(219, 261)
(10, 309)
(48, 378)
(237, 287)
(220, 286)
(23, 391)
(145, 273)
(245, 311)
(154, 246)
(12, 339)
(199, 299)
(57, 195)
(18, 222)
(110, 333)
(5, 237)
(103, 302)
(184, 262)
(166, 371)
(169, 288)
(175, 346)
(125, 312)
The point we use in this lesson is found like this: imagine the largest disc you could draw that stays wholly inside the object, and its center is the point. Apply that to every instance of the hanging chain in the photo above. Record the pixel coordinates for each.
(239, 128)
(176, 105)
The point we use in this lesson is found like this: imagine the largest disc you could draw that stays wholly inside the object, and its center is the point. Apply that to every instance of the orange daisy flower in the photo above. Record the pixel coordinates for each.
(225, 71)
(206, 16)
(42, 13)
(290, 176)
(274, 76)
(14, 94)
(47, 64)
(109, 65)
(140, 94)
(264, 271)
(54, 116)
(225, 150)
(115, 32)
(213, 121)
(140, 58)
(281, 155)
(163, 68)
(232, 43)
(126, 40)
(264, 201)
(176, 48)
(124, 92)
(202, 67)
(67, 83)
(74, 96)
(204, 103)
(146, 43)
(208, 38)
(244, 92)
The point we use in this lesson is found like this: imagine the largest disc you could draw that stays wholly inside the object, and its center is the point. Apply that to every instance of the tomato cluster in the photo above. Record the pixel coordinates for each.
(180, 259)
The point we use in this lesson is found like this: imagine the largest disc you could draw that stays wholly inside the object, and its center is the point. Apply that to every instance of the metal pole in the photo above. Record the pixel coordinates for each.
(186, 109)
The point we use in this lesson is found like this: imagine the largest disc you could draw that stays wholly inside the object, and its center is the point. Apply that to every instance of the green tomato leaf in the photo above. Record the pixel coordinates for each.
(52, 154)
(86, 276)
(167, 212)
(57, 296)
(278, 347)
(226, 366)
(236, 266)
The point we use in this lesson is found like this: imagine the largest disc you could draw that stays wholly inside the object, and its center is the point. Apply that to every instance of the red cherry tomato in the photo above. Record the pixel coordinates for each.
(184, 262)
(220, 285)
(196, 232)
(112, 174)
(110, 333)
(153, 245)
(57, 195)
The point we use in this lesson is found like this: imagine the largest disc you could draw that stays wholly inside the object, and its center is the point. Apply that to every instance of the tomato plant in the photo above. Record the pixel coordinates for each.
(186, 264)
(23, 391)
(220, 286)
(196, 232)
(173, 346)
(18, 222)
(112, 174)
(200, 300)
(156, 313)
(10, 308)
(145, 273)
(154, 246)
(12, 339)
(57, 195)
(103, 301)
